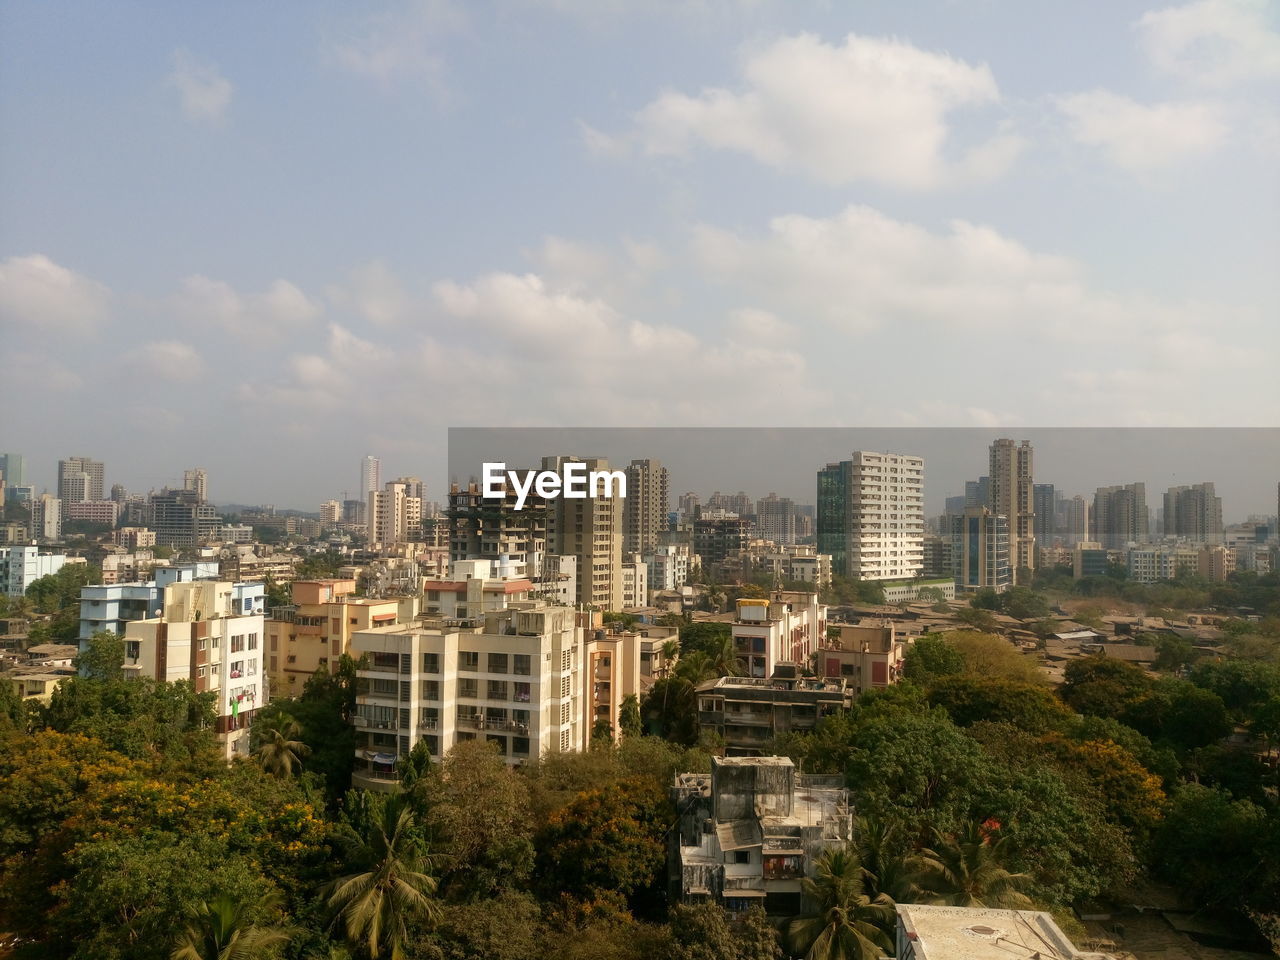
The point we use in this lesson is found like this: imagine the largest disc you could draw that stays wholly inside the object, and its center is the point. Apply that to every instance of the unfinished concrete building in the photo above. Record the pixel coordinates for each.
(750, 832)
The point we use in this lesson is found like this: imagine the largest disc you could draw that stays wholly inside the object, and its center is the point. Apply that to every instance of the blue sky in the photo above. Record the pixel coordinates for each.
(270, 238)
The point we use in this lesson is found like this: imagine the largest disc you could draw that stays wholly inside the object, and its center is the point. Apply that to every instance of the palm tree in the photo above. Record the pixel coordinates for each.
(280, 753)
(715, 597)
(696, 667)
(724, 658)
(847, 923)
(670, 653)
(220, 930)
(376, 904)
(967, 870)
(885, 866)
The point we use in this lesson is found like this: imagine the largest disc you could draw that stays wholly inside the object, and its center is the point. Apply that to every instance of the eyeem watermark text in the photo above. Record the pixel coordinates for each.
(573, 482)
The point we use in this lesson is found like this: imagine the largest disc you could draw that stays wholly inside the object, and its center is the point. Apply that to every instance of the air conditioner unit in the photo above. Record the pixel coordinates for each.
(360, 721)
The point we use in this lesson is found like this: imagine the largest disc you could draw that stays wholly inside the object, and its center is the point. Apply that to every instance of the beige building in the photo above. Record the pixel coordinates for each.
(864, 656)
(788, 627)
(513, 677)
(395, 512)
(644, 513)
(589, 529)
(621, 663)
(316, 630)
(1012, 496)
(211, 633)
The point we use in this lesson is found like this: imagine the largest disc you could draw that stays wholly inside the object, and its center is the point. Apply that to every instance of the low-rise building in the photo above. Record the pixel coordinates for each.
(21, 566)
(747, 712)
(865, 656)
(981, 933)
(668, 566)
(904, 591)
(111, 606)
(751, 831)
(787, 627)
(315, 631)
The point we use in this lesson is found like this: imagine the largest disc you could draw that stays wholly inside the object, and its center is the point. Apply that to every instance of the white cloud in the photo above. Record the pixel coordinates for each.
(870, 109)
(205, 93)
(1214, 42)
(401, 44)
(1141, 137)
(41, 295)
(36, 371)
(171, 360)
(279, 310)
(373, 292)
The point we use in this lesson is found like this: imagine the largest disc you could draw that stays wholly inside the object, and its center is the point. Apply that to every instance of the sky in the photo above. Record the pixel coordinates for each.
(268, 239)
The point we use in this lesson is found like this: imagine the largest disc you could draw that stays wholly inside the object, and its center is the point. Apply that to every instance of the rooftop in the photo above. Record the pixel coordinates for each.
(969, 933)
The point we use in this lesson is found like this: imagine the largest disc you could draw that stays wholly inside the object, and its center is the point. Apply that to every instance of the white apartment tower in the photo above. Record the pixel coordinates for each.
(871, 515)
(395, 512)
(1012, 496)
(197, 480)
(370, 475)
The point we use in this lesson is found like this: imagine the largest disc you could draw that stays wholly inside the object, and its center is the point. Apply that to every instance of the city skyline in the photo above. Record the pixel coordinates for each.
(315, 231)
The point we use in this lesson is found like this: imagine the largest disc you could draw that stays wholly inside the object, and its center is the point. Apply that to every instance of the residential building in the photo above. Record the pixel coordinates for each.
(316, 629)
(134, 537)
(1193, 513)
(747, 712)
(1119, 516)
(1150, 564)
(937, 553)
(80, 478)
(977, 493)
(1091, 559)
(982, 933)
(331, 512)
(180, 519)
(788, 627)
(718, 536)
(981, 552)
(513, 677)
(749, 833)
(864, 656)
(689, 505)
(871, 516)
(197, 481)
(209, 632)
(395, 512)
(590, 529)
(474, 588)
(46, 518)
(644, 513)
(737, 503)
(1044, 501)
(113, 606)
(92, 511)
(22, 565)
(635, 582)
(1215, 562)
(795, 562)
(776, 519)
(668, 566)
(1075, 520)
(1012, 497)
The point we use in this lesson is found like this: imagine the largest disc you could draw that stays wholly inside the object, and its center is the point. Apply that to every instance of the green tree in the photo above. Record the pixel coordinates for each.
(968, 870)
(670, 710)
(701, 931)
(629, 716)
(390, 888)
(1103, 687)
(977, 618)
(223, 929)
(931, 656)
(1179, 713)
(280, 752)
(846, 923)
(1028, 706)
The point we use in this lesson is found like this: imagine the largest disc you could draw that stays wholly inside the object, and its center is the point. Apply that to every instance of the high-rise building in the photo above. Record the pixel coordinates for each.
(1075, 520)
(590, 529)
(717, 536)
(370, 476)
(871, 516)
(776, 519)
(395, 512)
(196, 480)
(977, 493)
(1011, 497)
(46, 517)
(70, 482)
(484, 528)
(1119, 516)
(180, 519)
(689, 505)
(1193, 513)
(1045, 503)
(14, 468)
(981, 555)
(331, 512)
(644, 513)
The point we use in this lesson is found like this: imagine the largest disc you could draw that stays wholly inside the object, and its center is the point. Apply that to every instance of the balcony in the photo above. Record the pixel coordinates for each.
(483, 723)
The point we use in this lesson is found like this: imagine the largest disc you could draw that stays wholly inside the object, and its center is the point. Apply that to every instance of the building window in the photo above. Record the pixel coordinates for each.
(523, 665)
(468, 688)
(497, 663)
(253, 641)
(431, 663)
(497, 690)
(742, 856)
(469, 660)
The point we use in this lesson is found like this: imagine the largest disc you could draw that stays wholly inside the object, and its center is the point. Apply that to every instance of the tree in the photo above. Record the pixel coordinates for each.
(988, 656)
(280, 752)
(846, 923)
(967, 870)
(390, 887)
(629, 716)
(1028, 706)
(929, 657)
(670, 710)
(976, 618)
(1103, 687)
(1179, 713)
(701, 931)
(724, 658)
(101, 656)
(222, 929)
